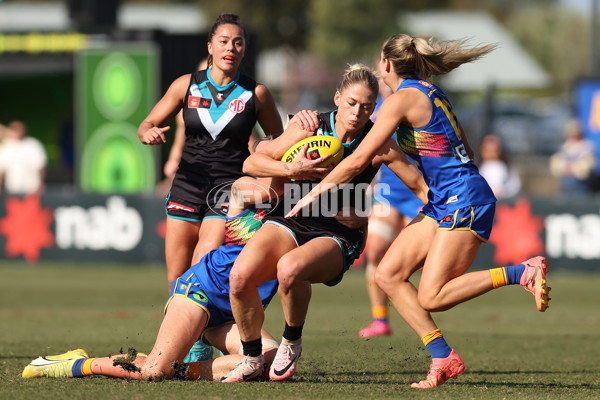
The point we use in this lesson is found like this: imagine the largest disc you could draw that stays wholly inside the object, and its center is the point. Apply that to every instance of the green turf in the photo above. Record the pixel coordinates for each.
(510, 350)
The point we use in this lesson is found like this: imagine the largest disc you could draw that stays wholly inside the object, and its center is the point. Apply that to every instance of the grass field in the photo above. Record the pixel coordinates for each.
(510, 350)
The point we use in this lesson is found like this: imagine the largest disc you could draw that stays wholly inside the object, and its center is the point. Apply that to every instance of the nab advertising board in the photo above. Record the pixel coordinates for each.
(566, 231)
(75, 226)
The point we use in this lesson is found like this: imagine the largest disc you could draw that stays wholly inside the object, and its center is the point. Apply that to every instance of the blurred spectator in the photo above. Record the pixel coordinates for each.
(22, 161)
(575, 162)
(495, 168)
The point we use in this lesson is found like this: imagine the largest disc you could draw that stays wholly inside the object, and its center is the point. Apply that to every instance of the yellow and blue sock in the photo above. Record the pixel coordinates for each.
(436, 344)
(380, 313)
(510, 275)
(82, 367)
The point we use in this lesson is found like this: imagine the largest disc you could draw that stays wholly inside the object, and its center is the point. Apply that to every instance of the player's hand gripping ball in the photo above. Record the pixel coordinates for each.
(318, 146)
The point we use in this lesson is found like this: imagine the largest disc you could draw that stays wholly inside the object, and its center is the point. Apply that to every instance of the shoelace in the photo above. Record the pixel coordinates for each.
(289, 349)
(247, 362)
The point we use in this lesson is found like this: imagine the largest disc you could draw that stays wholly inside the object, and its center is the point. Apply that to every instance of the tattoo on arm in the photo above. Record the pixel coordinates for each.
(258, 140)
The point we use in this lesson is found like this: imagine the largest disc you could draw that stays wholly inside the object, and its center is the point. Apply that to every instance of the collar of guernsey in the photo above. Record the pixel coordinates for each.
(221, 88)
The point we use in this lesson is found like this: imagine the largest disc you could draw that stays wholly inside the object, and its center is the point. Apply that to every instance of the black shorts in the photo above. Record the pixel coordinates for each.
(351, 244)
(179, 208)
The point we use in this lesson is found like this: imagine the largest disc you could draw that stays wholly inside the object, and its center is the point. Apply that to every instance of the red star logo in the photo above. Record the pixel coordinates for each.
(516, 233)
(26, 227)
(205, 103)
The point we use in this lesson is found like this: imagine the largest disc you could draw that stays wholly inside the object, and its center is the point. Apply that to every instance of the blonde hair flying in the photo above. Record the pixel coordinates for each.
(421, 57)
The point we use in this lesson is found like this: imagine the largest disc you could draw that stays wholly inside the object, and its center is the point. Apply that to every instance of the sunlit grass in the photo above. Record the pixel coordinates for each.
(510, 350)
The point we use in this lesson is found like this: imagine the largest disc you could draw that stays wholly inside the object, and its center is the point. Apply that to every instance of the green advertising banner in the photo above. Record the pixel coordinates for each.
(115, 90)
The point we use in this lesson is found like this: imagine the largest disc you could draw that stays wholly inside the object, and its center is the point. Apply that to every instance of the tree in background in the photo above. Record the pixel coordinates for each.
(338, 32)
(352, 33)
(557, 38)
(333, 33)
(274, 23)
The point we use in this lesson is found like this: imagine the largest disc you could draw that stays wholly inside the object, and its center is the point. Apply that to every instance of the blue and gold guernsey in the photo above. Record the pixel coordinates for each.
(439, 152)
(206, 283)
(390, 189)
(218, 124)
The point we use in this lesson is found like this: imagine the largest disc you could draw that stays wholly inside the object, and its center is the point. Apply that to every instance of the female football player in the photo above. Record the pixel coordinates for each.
(198, 307)
(309, 249)
(445, 237)
(220, 108)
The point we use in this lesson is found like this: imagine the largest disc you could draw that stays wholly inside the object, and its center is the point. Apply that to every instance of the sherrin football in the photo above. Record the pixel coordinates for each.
(318, 146)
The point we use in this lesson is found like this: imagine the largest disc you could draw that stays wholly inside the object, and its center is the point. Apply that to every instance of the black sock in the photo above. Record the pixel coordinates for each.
(253, 348)
(292, 332)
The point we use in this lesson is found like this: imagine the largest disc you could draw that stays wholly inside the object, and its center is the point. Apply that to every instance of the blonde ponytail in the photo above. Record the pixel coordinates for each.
(421, 57)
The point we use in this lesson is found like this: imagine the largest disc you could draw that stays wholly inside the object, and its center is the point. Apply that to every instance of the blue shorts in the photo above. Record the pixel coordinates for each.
(389, 189)
(179, 208)
(206, 284)
(478, 219)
